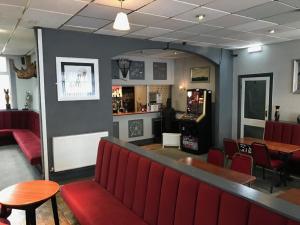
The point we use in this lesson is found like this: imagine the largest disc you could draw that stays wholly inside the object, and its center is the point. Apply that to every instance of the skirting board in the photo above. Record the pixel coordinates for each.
(76, 151)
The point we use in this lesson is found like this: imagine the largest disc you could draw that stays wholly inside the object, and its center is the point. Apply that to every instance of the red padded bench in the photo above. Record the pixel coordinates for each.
(22, 127)
(131, 189)
(286, 133)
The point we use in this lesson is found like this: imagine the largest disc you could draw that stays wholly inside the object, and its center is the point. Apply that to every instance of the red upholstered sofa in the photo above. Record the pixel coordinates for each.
(135, 188)
(22, 127)
(286, 133)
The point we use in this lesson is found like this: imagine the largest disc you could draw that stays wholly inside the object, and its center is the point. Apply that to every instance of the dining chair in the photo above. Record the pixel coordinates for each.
(242, 163)
(215, 156)
(4, 212)
(230, 148)
(262, 158)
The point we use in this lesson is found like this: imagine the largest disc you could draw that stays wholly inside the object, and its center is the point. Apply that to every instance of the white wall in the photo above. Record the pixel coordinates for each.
(276, 59)
(182, 76)
(149, 72)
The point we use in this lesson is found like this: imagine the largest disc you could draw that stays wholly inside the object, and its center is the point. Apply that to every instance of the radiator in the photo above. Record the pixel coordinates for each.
(76, 151)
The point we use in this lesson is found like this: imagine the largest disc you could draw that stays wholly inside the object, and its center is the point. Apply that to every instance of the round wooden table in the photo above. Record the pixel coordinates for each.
(30, 195)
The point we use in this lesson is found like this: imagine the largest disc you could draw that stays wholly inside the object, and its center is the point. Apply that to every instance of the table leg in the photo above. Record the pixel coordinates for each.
(30, 217)
(54, 208)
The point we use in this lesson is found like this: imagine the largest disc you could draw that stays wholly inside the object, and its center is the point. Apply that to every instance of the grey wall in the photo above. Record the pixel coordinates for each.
(66, 118)
(276, 59)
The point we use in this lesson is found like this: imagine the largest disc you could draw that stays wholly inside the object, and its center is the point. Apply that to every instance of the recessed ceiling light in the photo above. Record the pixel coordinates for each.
(200, 17)
(272, 31)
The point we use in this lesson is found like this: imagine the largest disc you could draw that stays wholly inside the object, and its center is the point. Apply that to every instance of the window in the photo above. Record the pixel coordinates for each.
(4, 82)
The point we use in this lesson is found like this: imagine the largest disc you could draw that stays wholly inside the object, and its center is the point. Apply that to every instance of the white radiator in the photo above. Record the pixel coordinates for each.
(76, 151)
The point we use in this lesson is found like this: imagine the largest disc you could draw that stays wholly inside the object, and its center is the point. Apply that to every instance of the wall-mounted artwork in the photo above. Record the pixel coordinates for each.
(137, 70)
(159, 71)
(77, 79)
(296, 77)
(200, 74)
(135, 128)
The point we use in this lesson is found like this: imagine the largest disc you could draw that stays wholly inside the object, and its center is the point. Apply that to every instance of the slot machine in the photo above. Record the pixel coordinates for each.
(196, 125)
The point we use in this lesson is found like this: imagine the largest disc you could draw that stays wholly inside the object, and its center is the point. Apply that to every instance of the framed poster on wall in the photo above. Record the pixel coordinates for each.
(77, 79)
(200, 74)
(296, 77)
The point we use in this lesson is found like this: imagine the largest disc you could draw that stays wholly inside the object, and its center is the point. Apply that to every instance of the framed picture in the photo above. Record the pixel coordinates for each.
(200, 74)
(77, 79)
(296, 77)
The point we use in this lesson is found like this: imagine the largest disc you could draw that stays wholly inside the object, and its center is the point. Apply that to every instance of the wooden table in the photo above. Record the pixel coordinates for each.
(30, 195)
(272, 145)
(219, 171)
(291, 195)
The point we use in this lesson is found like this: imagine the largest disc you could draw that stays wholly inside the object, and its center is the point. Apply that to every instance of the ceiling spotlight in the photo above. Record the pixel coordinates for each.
(121, 21)
(200, 17)
(272, 31)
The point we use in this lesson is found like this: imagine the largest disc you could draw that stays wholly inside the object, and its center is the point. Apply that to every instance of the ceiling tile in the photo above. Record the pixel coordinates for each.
(229, 21)
(255, 25)
(163, 39)
(133, 28)
(14, 2)
(293, 34)
(109, 32)
(277, 28)
(234, 5)
(4, 36)
(34, 17)
(178, 35)
(294, 24)
(266, 10)
(82, 21)
(200, 29)
(101, 11)
(285, 18)
(136, 36)
(211, 39)
(210, 14)
(166, 8)
(250, 37)
(128, 4)
(226, 33)
(10, 12)
(197, 2)
(295, 3)
(78, 28)
(144, 19)
(61, 6)
(151, 32)
(173, 24)
(201, 44)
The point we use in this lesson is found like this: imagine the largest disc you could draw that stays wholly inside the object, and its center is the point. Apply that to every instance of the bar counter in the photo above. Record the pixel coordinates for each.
(133, 113)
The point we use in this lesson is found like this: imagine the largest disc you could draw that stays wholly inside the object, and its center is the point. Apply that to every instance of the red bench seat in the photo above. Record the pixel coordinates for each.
(22, 127)
(130, 189)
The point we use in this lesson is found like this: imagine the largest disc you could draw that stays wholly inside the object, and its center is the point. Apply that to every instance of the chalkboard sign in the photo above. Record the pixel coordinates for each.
(115, 74)
(159, 71)
(137, 70)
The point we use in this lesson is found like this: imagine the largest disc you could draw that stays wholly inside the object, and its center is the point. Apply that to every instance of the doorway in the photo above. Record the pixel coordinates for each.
(255, 104)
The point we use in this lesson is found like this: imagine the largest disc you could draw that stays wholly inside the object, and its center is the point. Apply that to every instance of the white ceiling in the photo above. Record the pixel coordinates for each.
(227, 23)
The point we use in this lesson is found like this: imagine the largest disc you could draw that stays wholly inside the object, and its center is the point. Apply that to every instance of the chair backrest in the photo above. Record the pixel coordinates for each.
(231, 147)
(260, 155)
(242, 163)
(215, 156)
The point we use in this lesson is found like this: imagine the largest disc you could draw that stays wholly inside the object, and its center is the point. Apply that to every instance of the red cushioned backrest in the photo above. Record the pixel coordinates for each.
(168, 197)
(130, 180)
(207, 206)
(19, 119)
(105, 164)
(296, 135)
(33, 123)
(287, 130)
(233, 210)
(293, 223)
(5, 120)
(259, 215)
(113, 167)
(260, 155)
(101, 147)
(277, 131)
(153, 193)
(141, 186)
(186, 201)
(242, 163)
(268, 130)
(216, 157)
(120, 179)
(230, 147)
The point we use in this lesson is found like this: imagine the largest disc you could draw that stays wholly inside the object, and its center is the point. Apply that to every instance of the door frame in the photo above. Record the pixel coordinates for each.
(240, 77)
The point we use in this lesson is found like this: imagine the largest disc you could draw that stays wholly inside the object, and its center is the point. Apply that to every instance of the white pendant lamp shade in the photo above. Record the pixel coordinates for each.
(121, 22)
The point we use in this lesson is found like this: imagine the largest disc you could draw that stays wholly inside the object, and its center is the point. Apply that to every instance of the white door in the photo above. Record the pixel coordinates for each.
(255, 97)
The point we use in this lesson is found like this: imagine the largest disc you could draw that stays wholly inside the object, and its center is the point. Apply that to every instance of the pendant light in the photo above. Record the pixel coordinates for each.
(121, 21)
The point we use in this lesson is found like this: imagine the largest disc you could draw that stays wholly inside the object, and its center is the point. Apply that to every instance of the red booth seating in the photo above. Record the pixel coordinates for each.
(24, 128)
(286, 133)
(131, 189)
